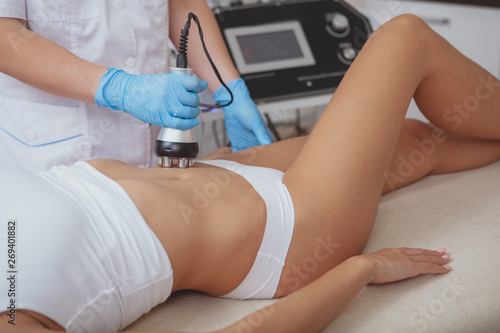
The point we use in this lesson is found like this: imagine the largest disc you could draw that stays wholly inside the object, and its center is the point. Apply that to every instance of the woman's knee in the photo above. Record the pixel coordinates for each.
(422, 131)
(407, 23)
(408, 28)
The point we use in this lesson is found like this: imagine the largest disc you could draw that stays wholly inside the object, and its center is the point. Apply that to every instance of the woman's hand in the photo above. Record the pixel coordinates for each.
(313, 307)
(397, 264)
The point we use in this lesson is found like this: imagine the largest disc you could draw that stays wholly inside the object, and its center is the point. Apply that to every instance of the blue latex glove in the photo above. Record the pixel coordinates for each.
(244, 124)
(166, 100)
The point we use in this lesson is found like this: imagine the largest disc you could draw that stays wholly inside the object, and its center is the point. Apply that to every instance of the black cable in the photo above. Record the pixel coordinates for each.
(182, 57)
(271, 126)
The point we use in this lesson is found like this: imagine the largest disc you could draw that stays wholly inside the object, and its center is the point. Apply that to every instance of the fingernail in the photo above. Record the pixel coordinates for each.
(441, 250)
(446, 256)
(447, 267)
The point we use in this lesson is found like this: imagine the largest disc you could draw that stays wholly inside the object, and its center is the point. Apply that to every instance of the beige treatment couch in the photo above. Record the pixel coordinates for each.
(458, 211)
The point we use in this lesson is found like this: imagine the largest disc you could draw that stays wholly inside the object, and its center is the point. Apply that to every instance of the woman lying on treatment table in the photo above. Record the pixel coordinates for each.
(101, 243)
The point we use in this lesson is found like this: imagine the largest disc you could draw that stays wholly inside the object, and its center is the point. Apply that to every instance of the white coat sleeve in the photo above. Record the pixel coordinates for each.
(13, 9)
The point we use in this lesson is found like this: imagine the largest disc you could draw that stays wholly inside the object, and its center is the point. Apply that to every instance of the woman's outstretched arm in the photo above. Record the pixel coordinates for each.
(313, 307)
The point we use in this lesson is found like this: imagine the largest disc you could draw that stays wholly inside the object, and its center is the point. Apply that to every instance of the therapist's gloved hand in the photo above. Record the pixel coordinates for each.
(166, 100)
(244, 124)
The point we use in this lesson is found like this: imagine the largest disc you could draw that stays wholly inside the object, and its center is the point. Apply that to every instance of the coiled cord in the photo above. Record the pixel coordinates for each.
(182, 61)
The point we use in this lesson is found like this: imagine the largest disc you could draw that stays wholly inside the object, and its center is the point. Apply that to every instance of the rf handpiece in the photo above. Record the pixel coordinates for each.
(174, 144)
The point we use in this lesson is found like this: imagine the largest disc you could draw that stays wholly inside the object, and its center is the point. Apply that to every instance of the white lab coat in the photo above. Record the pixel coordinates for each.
(39, 130)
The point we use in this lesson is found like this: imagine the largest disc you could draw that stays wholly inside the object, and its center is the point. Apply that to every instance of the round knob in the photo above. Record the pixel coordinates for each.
(340, 22)
(337, 24)
(349, 52)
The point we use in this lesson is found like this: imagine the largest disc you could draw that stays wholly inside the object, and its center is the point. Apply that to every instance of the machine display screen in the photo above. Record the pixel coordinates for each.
(269, 47)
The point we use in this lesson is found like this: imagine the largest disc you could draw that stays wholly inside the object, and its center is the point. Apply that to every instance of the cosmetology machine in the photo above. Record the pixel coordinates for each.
(292, 48)
(281, 49)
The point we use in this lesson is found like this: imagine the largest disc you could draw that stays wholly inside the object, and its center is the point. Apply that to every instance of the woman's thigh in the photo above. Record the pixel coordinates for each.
(338, 176)
(279, 155)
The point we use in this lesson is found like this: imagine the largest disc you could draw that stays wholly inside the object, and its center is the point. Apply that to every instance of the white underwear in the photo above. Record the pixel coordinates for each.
(85, 256)
(87, 259)
(263, 279)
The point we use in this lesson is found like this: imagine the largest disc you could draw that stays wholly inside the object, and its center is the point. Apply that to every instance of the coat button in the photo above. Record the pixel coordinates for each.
(131, 63)
(118, 4)
(30, 135)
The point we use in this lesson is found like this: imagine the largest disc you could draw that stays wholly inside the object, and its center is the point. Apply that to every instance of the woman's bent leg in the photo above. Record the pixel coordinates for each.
(459, 96)
(424, 149)
(337, 179)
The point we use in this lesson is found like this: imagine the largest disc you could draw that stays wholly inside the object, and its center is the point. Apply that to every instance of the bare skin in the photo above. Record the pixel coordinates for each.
(335, 177)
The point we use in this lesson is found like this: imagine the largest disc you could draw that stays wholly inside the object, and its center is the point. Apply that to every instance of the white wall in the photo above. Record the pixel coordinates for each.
(473, 30)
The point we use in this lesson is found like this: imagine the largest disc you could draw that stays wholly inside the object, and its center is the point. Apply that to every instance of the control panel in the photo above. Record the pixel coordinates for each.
(293, 48)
